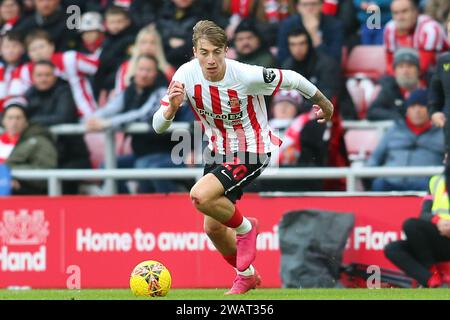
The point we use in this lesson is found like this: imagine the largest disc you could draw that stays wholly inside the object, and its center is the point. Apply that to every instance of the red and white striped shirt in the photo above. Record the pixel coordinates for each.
(428, 37)
(71, 66)
(233, 111)
(7, 144)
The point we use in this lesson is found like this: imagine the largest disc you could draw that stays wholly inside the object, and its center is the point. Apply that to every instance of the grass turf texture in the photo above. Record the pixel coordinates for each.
(217, 294)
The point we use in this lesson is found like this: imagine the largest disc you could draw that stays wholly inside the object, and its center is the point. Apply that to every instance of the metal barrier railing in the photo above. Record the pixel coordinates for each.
(55, 177)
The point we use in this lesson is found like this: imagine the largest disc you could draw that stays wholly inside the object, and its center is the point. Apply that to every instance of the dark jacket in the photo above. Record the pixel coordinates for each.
(439, 93)
(389, 104)
(324, 72)
(56, 25)
(332, 35)
(56, 106)
(115, 50)
(261, 57)
(34, 150)
(175, 23)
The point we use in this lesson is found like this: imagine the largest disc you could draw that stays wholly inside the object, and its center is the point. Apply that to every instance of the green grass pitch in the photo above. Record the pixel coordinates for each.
(217, 294)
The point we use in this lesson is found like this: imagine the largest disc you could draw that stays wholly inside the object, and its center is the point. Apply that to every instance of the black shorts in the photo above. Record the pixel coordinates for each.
(236, 171)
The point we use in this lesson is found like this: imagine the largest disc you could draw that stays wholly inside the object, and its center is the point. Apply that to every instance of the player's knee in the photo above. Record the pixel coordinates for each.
(200, 199)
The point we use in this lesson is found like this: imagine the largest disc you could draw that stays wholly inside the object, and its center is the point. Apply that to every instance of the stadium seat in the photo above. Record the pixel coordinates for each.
(361, 143)
(363, 91)
(96, 146)
(367, 60)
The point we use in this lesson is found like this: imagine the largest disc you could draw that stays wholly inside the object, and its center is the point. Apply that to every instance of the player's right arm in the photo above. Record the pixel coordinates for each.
(170, 104)
(172, 101)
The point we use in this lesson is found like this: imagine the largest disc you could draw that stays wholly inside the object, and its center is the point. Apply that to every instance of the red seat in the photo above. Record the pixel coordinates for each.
(363, 91)
(361, 143)
(96, 145)
(367, 60)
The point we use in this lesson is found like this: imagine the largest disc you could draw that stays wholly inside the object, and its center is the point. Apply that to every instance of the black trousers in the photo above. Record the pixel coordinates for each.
(424, 247)
(447, 150)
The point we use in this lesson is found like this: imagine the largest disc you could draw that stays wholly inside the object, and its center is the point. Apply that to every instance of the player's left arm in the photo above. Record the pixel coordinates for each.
(293, 80)
(268, 81)
(324, 107)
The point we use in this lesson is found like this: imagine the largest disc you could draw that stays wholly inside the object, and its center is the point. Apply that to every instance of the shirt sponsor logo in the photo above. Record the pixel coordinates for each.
(221, 116)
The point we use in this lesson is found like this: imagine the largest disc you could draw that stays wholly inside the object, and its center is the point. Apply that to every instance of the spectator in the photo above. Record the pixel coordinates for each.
(92, 34)
(251, 47)
(439, 100)
(347, 15)
(427, 239)
(438, 10)
(138, 102)
(267, 14)
(388, 105)
(32, 146)
(50, 102)
(326, 31)
(304, 143)
(410, 142)
(410, 29)
(148, 42)
(51, 17)
(12, 51)
(10, 15)
(175, 22)
(120, 35)
(71, 66)
(285, 107)
(364, 10)
(319, 68)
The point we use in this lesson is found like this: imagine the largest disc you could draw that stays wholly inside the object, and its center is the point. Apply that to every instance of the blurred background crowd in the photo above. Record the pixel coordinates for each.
(111, 65)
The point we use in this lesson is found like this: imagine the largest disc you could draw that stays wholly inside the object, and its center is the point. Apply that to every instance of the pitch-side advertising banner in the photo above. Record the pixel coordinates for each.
(95, 242)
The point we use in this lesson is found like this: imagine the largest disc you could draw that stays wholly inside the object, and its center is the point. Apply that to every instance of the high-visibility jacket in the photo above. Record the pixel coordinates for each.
(438, 190)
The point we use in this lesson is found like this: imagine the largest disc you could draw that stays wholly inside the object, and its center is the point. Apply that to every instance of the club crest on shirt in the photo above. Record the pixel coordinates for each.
(268, 75)
(234, 102)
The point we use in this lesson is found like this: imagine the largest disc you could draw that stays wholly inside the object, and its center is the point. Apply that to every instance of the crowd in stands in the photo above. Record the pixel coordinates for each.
(111, 65)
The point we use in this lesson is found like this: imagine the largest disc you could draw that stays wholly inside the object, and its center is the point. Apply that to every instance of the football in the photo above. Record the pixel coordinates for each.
(151, 279)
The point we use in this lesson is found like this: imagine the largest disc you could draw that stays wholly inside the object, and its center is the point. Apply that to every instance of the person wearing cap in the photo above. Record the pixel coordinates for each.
(92, 33)
(250, 46)
(393, 90)
(412, 141)
(25, 145)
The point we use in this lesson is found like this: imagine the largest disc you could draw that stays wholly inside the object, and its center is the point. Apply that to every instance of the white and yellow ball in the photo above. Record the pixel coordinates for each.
(151, 279)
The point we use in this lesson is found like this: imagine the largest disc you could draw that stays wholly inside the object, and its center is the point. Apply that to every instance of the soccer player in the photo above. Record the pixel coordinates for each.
(227, 97)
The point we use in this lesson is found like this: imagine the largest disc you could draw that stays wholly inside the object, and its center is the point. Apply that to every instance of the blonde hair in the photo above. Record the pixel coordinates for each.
(163, 65)
(210, 31)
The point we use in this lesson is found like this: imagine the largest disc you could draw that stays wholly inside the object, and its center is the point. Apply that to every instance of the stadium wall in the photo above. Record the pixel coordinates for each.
(96, 241)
